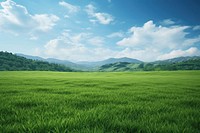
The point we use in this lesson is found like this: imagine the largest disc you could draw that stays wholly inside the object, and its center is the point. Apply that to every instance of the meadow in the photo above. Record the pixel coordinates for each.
(102, 102)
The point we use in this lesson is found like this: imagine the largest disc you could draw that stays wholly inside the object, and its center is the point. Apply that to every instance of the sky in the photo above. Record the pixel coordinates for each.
(93, 30)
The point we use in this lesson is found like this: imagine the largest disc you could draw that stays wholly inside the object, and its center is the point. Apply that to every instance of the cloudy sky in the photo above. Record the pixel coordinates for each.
(91, 30)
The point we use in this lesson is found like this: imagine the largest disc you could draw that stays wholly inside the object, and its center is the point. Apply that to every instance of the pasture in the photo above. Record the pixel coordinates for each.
(124, 102)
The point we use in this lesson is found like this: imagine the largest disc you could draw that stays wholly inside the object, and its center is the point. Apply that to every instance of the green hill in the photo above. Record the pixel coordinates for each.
(56, 61)
(119, 66)
(182, 63)
(11, 62)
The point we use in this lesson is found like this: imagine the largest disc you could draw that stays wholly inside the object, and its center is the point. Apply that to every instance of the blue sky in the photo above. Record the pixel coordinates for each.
(85, 30)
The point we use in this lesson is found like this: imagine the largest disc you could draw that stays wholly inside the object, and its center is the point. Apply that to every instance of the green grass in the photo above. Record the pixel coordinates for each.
(100, 102)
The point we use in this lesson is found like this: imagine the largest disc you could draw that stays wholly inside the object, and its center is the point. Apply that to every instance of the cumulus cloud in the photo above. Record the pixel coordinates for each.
(178, 53)
(147, 43)
(76, 47)
(146, 54)
(116, 34)
(65, 46)
(45, 22)
(71, 8)
(96, 41)
(150, 35)
(102, 18)
(157, 42)
(16, 19)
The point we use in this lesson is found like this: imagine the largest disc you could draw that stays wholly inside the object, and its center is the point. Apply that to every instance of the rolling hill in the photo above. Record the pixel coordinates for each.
(56, 61)
(11, 62)
(181, 63)
(176, 60)
(82, 65)
(119, 66)
(25, 62)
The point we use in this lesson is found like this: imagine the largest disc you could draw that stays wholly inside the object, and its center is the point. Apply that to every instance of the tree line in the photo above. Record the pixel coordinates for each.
(12, 62)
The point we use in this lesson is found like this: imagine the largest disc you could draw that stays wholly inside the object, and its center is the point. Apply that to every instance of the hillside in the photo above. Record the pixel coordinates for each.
(187, 64)
(109, 61)
(119, 66)
(56, 61)
(82, 65)
(11, 62)
(181, 63)
(176, 60)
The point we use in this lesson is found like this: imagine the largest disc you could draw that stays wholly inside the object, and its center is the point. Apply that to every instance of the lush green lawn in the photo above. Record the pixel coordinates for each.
(100, 102)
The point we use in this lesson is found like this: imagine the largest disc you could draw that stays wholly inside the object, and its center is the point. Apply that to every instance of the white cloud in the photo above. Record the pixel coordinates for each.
(191, 41)
(167, 22)
(90, 9)
(147, 43)
(178, 53)
(102, 18)
(45, 21)
(65, 47)
(147, 54)
(93, 21)
(16, 19)
(71, 8)
(150, 42)
(96, 41)
(116, 34)
(76, 47)
(162, 38)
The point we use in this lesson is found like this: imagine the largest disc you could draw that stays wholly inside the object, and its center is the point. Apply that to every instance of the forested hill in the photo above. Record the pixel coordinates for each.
(186, 63)
(11, 62)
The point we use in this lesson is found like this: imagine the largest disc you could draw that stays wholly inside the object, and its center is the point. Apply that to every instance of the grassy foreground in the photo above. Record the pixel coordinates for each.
(100, 102)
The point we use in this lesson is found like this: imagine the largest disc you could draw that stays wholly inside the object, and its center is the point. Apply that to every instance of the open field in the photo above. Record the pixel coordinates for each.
(100, 102)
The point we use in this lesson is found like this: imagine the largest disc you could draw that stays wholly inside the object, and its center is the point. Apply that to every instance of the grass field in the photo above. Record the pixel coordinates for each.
(100, 102)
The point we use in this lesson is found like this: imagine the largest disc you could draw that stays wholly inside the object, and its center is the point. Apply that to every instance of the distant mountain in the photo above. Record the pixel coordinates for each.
(57, 61)
(181, 63)
(12, 62)
(109, 61)
(178, 59)
(119, 66)
(127, 64)
(51, 60)
(84, 65)
(31, 57)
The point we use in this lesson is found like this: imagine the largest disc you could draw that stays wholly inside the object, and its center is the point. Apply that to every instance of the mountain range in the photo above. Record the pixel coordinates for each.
(111, 64)
(181, 63)
(178, 59)
(12, 62)
(83, 65)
